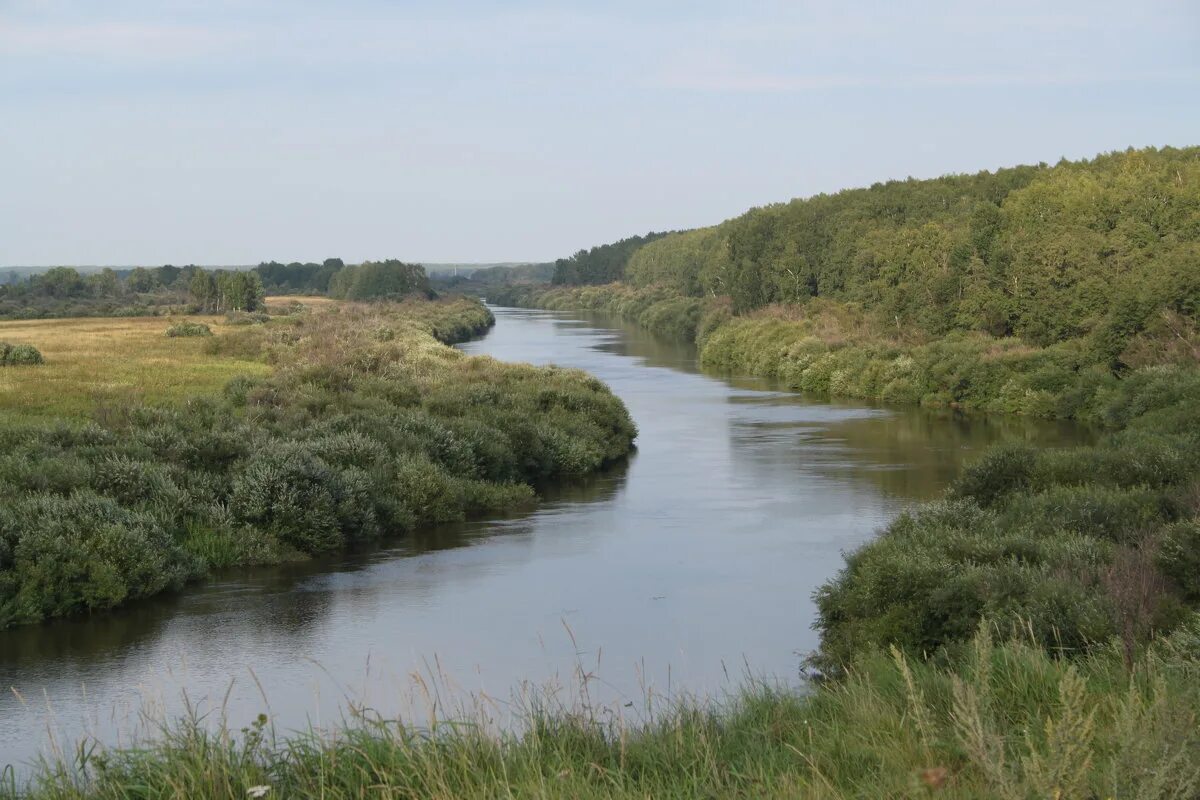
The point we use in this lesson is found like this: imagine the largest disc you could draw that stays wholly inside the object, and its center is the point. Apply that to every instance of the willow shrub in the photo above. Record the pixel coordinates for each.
(1074, 546)
(186, 329)
(350, 438)
(19, 355)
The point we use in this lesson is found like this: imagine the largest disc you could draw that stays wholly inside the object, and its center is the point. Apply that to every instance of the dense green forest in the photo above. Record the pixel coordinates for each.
(1047, 253)
(298, 278)
(601, 264)
(995, 291)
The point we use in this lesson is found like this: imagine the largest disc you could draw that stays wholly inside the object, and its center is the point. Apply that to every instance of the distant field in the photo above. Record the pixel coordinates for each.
(95, 360)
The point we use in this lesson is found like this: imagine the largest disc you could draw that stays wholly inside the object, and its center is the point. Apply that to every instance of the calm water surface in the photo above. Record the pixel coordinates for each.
(680, 570)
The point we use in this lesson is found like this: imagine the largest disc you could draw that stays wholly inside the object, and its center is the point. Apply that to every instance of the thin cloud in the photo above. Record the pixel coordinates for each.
(114, 39)
(767, 83)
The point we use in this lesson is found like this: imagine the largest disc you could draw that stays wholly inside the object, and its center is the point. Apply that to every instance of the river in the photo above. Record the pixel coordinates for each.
(682, 570)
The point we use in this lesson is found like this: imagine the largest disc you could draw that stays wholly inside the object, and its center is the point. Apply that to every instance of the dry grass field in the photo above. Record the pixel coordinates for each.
(95, 360)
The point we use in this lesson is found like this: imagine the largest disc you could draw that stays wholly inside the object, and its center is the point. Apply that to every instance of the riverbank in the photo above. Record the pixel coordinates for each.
(1073, 547)
(1004, 720)
(837, 350)
(357, 422)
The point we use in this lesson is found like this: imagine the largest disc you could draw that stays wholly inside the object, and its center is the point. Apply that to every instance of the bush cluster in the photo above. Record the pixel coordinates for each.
(1072, 547)
(352, 437)
(19, 355)
(186, 329)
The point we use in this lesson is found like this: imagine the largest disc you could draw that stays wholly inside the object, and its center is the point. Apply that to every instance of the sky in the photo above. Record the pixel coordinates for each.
(222, 132)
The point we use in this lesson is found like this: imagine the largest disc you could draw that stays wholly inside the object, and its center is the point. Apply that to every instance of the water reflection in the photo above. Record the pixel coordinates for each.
(698, 555)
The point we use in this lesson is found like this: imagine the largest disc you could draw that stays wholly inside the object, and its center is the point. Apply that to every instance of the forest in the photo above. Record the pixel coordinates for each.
(601, 264)
(1047, 253)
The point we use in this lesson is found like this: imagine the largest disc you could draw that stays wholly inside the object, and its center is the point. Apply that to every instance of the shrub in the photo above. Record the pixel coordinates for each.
(19, 355)
(349, 438)
(289, 491)
(81, 552)
(247, 318)
(185, 329)
(1179, 556)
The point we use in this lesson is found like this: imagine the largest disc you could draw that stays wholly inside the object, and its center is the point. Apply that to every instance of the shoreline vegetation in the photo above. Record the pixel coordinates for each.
(1033, 633)
(354, 422)
(1002, 720)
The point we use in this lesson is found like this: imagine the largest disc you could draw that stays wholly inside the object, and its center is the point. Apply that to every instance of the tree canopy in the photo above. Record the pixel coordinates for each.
(1048, 253)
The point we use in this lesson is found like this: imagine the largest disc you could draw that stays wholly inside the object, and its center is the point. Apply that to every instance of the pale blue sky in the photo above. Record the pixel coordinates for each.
(214, 131)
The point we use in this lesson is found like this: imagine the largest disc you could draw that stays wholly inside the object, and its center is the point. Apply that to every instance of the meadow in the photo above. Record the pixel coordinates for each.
(91, 362)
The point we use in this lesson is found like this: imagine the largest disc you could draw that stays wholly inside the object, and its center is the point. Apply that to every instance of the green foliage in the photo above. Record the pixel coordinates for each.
(297, 278)
(379, 280)
(63, 554)
(19, 355)
(602, 264)
(1048, 253)
(1178, 556)
(247, 317)
(288, 491)
(226, 290)
(188, 329)
(1072, 547)
(65, 292)
(352, 437)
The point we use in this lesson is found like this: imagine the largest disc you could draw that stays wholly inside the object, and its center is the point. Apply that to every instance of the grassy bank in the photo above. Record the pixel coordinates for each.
(839, 350)
(1003, 721)
(339, 425)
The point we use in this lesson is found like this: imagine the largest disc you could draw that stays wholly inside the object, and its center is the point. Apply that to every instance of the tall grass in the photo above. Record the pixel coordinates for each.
(1006, 720)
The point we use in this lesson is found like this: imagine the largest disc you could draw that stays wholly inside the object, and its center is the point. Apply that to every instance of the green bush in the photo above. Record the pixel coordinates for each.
(19, 355)
(185, 329)
(81, 552)
(247, 317)
(290, 492)
(1179, 556)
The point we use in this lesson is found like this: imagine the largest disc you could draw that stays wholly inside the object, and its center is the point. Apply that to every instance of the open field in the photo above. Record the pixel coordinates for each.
(94, 360)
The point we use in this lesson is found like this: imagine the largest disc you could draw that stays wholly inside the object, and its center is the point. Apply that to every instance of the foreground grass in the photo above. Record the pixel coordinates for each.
(347, 424)
(1002, 721)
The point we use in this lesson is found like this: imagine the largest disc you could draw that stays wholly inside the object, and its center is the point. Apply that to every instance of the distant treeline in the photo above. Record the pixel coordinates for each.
(141, 291)
(487, 278)
(1047, 253)
(602, 264)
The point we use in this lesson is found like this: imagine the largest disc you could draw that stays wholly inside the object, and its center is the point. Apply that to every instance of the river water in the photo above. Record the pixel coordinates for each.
(682, 570)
